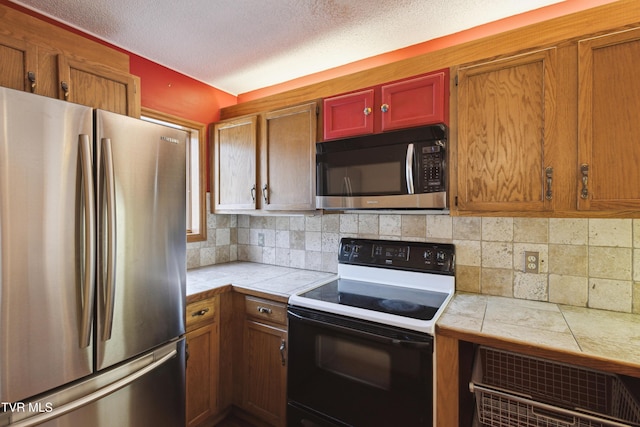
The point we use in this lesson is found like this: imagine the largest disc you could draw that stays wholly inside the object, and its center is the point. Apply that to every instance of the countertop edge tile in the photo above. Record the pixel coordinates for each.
(601, 347)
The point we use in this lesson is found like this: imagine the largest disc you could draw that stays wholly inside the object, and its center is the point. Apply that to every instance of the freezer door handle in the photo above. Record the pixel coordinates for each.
(97, 395)
(109, 287)
(88, 285)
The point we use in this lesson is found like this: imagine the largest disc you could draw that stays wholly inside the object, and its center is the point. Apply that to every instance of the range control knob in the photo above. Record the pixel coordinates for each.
(441, 257)
(428, 255)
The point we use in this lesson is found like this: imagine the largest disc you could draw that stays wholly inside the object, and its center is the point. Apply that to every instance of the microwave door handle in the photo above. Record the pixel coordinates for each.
(346, 186)
(409, 168)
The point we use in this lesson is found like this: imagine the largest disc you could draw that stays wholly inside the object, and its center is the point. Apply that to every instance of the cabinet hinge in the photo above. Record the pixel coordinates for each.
(455, 79)
(455, 201)
(317, 110)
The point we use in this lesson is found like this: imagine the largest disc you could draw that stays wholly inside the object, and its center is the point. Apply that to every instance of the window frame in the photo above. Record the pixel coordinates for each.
(201, 233)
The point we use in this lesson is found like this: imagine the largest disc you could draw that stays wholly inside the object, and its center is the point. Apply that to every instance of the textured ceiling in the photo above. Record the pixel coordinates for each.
(242, 45)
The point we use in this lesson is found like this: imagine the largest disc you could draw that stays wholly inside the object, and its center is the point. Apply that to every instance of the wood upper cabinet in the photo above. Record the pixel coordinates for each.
(18, 63)
(288, 158)
(272, 172)
(39, 57)
(234, 159)
(416, 101)
(609, 128)
(265, 361)
(98, 86)
(202, 373)
(506, 125)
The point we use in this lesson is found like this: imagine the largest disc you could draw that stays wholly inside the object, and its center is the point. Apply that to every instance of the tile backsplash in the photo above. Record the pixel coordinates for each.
(583, 262)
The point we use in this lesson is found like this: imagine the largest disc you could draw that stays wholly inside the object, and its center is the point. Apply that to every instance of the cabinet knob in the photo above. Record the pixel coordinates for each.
(265, 194)
(264, 310)
(384, 108)
(253, 193)
(367, 111)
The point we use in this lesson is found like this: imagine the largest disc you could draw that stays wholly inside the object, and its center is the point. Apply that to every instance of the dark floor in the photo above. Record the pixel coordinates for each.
(232, 421)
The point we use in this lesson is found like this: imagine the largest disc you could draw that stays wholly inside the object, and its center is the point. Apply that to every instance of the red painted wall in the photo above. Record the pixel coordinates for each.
(170, 92)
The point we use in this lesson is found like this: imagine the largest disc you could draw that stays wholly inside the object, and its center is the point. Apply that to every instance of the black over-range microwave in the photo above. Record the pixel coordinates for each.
(404, 169)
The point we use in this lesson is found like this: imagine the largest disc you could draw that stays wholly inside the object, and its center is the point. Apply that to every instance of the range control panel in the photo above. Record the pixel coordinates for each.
(413, 256)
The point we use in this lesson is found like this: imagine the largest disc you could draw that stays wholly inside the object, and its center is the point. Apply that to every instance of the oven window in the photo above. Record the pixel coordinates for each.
(354, 361)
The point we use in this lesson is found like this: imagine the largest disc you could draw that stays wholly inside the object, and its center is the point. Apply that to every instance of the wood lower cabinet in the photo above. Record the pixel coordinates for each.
(264, 367)
(202, 373)
(506, 125)
(609, 129)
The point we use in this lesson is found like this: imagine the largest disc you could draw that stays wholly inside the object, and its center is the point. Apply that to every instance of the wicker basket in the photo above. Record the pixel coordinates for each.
(516, 390)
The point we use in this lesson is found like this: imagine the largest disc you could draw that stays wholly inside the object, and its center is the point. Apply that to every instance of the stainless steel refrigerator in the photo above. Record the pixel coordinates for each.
(92, 267)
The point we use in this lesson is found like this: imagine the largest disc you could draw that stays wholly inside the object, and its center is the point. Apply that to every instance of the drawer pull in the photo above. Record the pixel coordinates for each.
(200, 313)
(264, 310)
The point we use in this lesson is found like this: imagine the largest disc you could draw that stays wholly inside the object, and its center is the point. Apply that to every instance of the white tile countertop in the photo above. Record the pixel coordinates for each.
(274, 280)
(600, 334)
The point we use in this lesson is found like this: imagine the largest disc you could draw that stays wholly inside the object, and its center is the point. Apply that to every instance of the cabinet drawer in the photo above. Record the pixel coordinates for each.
(201, 312)
(265, 309)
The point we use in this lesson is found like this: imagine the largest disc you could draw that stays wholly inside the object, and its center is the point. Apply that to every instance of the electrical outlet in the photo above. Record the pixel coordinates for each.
(260, 239)
(531, 262)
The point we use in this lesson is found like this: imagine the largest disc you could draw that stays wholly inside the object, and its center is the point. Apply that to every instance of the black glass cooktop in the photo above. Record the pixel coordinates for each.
(402, 301)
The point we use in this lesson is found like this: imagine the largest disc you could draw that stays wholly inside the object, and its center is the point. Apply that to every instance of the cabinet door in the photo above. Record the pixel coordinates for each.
(17, 59)
(234, 159)
(288, 158)
(265, 372)
(348, 115)
(202, 374)
(608, 125)
(506, 123)
(414, 102)
(98, 86)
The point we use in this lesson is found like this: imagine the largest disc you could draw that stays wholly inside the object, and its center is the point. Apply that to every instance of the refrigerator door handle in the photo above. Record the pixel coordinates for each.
(88, 284)
(97, 395)
(110, 283)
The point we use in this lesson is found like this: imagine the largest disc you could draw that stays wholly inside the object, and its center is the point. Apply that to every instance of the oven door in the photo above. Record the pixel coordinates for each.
(346, 372)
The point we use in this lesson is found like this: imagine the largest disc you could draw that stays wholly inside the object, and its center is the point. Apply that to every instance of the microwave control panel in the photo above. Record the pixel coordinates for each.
(433, 172)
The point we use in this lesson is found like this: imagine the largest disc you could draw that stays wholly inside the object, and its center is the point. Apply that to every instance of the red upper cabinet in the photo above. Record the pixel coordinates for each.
(348, 115)
(416, 101)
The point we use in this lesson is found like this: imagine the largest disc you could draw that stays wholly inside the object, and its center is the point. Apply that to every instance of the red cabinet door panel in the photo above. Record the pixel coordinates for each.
(348, 115)
(414, 102)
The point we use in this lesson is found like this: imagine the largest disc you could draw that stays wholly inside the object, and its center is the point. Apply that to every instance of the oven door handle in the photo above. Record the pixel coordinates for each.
(420, 345)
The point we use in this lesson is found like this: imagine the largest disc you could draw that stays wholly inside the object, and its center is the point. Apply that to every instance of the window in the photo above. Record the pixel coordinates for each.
(196, 170)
